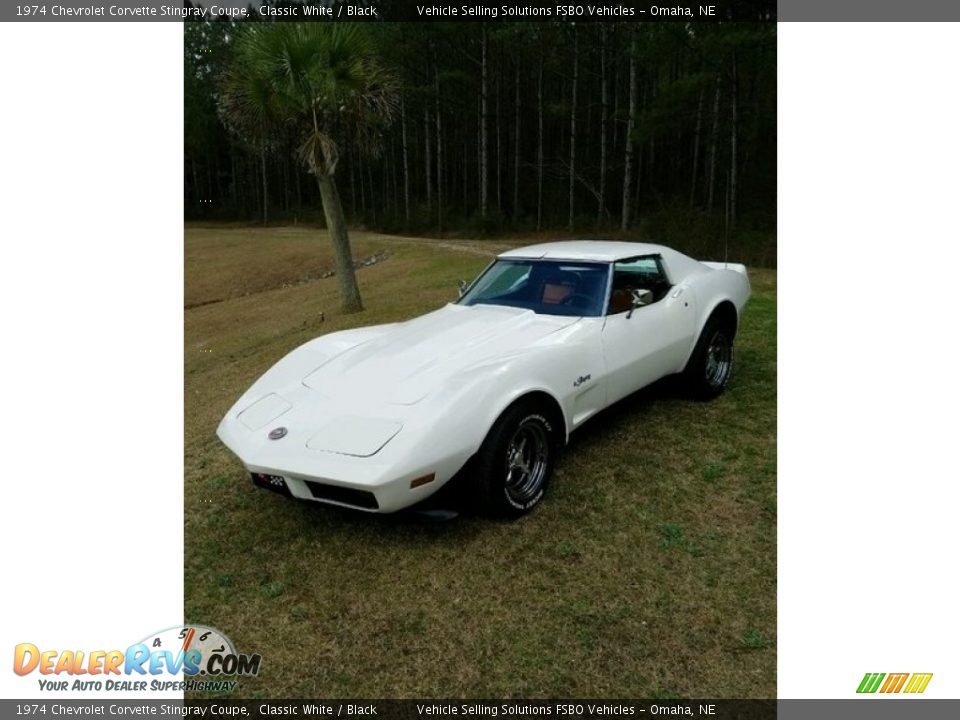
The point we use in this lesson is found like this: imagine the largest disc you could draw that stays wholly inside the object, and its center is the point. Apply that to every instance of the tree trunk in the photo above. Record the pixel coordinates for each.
(712, 171)
(483, 123)
(733, 143)
(573, 125)
(540, 145)
(428, 170)
(604, 110)
(373, 195)
(337, 225)
(516, 150)
(353, 187)
(436, 80)
(363, 193)
(196, 182)
(209, 193)
(296, 180)
(406, 166)
(616, 104)
(631, 120)
(645, 170)
(726, 210)
(387, 171)
(499, 153)
(263, 174)
(479, 154)
(234, 180)
(250, 184)
(696, 150)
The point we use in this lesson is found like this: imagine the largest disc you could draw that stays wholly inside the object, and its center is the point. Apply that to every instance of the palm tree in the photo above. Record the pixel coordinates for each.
(321, 86)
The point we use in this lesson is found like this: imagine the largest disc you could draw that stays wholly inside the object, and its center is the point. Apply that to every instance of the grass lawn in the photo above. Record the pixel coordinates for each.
(648, 571)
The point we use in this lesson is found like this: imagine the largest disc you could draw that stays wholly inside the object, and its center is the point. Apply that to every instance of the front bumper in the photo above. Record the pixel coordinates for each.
(322, 492)
(383, 497)
(385, 480)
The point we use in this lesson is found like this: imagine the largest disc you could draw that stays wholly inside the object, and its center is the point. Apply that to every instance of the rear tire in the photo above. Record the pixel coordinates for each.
(516, 460)
(711, 364)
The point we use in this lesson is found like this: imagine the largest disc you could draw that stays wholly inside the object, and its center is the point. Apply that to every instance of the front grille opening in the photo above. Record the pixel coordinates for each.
(345, 495)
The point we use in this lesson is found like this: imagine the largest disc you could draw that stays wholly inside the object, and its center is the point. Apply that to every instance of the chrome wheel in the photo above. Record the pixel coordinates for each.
(528, 454)
(719, 360)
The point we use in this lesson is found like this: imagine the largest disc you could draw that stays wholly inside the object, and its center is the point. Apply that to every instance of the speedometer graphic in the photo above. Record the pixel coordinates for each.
(198, 644)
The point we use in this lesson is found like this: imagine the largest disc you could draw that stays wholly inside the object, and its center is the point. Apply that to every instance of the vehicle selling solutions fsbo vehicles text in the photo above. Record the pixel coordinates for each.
(512, 11)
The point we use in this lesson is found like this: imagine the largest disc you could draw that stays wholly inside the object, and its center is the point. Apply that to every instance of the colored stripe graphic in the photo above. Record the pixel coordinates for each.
(894, 682)
(915, 683)
(918, 682)
(870, 682)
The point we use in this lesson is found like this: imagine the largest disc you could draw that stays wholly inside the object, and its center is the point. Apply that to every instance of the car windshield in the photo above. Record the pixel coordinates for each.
(549, 287)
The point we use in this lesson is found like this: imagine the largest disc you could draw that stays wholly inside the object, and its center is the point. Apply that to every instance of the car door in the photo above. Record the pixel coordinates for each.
(643, 344)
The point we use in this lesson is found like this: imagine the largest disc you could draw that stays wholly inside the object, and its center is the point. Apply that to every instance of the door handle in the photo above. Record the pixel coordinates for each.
(677, 293)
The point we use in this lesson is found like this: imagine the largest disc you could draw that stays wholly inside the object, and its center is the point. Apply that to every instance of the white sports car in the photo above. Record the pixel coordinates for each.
(379, 418)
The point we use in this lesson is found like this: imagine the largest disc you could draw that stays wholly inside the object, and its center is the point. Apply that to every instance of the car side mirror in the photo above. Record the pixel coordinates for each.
(462, 285)
(638, 298)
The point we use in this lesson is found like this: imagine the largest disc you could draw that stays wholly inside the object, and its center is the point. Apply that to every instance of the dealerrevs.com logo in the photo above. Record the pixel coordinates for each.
(155, 663)
(894, 683)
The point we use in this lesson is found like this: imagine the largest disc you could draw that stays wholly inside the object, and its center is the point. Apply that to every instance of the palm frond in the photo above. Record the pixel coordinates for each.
(321, 82)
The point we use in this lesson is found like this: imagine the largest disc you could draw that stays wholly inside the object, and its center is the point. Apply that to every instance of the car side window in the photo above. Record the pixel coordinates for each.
(642, 273)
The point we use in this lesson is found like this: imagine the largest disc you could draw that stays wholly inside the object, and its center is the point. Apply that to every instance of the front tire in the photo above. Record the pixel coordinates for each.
(516, 461)
(708, 371)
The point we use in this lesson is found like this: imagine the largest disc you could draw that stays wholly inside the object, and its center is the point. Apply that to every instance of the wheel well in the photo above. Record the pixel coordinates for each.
(552, 407)
(726, 314)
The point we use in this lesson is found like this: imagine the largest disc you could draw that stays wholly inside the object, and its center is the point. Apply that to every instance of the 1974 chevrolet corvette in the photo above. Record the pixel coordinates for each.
(379, 418)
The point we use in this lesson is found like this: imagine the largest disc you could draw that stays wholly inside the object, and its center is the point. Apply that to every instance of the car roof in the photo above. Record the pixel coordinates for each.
(590, 250)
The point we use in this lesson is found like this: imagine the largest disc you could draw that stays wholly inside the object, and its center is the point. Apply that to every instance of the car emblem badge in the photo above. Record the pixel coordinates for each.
(581, 380)
(277, 433)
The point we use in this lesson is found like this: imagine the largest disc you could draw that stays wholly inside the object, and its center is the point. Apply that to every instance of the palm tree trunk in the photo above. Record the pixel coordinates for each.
(337, 225)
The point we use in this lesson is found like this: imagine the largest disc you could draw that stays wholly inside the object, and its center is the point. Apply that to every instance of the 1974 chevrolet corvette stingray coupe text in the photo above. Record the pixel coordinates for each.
(379, 418)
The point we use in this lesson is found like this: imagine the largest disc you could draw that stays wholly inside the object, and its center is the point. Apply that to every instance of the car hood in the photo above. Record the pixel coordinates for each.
(412, 359)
